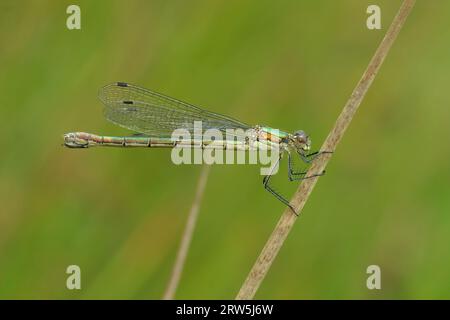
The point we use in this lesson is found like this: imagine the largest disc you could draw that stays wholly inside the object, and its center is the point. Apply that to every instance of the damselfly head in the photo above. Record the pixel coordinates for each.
(73, 140)
(301, 140)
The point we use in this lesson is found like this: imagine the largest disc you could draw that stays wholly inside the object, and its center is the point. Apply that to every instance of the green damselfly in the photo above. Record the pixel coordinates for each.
(155, 117)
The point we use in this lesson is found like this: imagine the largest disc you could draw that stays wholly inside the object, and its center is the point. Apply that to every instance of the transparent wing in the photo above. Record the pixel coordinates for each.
(154, 114)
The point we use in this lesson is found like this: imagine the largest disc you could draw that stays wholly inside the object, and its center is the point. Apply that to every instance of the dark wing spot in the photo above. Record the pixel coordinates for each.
(122, 84)
(128, 102)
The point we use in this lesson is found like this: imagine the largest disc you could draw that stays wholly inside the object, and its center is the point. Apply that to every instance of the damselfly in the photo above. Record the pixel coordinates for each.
(155, 117)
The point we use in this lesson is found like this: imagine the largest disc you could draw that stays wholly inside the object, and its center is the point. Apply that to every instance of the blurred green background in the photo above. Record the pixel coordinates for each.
(119, 214)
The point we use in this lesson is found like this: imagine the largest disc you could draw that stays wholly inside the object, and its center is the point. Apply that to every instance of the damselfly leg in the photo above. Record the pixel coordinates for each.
(268, 187)
(293, 175)
(308, 158)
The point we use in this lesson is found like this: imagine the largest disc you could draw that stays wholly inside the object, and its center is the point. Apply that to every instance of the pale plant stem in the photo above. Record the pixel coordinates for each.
(185, 242)
(282, 229)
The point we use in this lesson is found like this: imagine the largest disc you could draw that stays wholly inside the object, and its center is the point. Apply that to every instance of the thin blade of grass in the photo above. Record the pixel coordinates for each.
(185, 242)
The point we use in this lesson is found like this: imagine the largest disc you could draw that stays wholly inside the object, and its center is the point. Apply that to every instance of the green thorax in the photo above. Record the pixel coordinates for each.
(275, 132)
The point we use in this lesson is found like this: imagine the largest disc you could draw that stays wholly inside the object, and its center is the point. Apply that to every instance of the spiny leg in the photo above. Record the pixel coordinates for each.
(308, 158)
(296, 176)
(291, 173)
(276, 194)
(293, 176)
(266, 183)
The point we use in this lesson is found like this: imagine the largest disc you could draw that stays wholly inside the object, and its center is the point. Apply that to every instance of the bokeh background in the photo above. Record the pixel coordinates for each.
(119, 213)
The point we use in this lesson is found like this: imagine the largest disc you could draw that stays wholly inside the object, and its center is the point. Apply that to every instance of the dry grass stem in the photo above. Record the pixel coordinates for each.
(187, 236)
(274, 243)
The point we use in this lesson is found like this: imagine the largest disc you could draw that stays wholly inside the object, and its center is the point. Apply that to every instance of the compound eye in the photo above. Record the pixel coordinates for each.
(301, 137)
